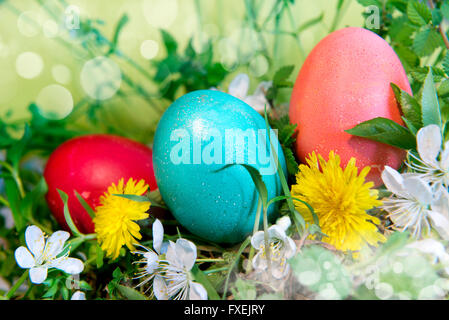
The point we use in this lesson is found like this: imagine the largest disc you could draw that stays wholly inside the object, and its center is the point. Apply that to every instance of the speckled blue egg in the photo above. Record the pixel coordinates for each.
(197, 137)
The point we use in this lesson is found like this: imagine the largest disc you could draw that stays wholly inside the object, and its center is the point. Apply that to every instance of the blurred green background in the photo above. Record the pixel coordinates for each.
(46, 59)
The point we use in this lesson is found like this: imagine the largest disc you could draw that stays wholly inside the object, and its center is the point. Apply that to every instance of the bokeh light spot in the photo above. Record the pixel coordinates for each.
(50, 28)
(29, 65)
(55, 102)
(100, 78)
(149, 49)
(259, 66)
(61, 74)
(383, 291)
(160, 13)
(28, 23)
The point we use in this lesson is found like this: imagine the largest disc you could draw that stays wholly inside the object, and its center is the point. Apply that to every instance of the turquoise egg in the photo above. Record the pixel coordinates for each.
(197, 139)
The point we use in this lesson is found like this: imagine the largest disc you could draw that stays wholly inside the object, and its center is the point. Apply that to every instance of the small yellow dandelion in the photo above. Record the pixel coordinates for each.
(115, 217)
(340, 199)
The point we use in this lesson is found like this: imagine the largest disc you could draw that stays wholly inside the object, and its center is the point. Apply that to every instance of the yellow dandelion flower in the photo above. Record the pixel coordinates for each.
(340, 199)
(115, 217)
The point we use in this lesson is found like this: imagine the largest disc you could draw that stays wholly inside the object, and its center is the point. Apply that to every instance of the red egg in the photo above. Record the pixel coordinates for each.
(344, 81)
(89, 165)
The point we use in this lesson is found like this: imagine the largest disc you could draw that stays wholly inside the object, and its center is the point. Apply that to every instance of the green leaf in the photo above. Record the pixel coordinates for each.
(409, 105)
(408, 57)
(100, 256)
(282, 74)
(32, 197)
(437, 16)
(445, 9)
(292, 164)
(170, 43)
(130, 293)
(385, 131)
(418, 13)
(14, 199)
(16, 152)
(200, 277)
(431, 113)
(133, 197)
(67, 216)
(443, 89)
(426, 41)
(85, 205)
(244, 290)
(367, 3)
(446, 63)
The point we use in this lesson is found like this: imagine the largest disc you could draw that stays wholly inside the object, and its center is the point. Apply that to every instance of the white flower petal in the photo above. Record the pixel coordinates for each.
(239, 86)
(257, 103)
(55, 244)
(444, 162)
(419, 189)
(197, 291)
(429, 143)
(160, 288)
(186, 253)
(260, 262)
(164, 247)
(152, 262)
(434, 248)
(393, 180)
(440, 223)
(276, 232)
(262, 88)
(158, 235)
(68, 265)
(38, 275)
(78, 295)
(24, 258)
(171, 255)
(257, 240)
(284, 222)
(35, 240)
(441, 202)
(289, 248)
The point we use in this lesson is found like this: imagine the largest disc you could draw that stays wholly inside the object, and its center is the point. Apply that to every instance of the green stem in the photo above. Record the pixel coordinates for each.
(341, 8)
(298, 42)
(233, 265)
(210, 260)
(215, 270)
(18, 284)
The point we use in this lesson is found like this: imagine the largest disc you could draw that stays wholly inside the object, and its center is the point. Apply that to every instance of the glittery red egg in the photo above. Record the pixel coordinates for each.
(344, 81)
(89, 165)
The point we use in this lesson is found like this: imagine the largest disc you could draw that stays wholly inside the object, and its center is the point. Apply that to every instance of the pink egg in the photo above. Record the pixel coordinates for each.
(344, 81)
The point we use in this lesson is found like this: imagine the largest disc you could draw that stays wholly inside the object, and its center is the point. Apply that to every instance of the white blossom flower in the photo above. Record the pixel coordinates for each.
(282, 248)
(415, 204)
(178, 281)
(150, 270)
(433, 162)
(42, 254)
(239, 87)
(78, 295)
